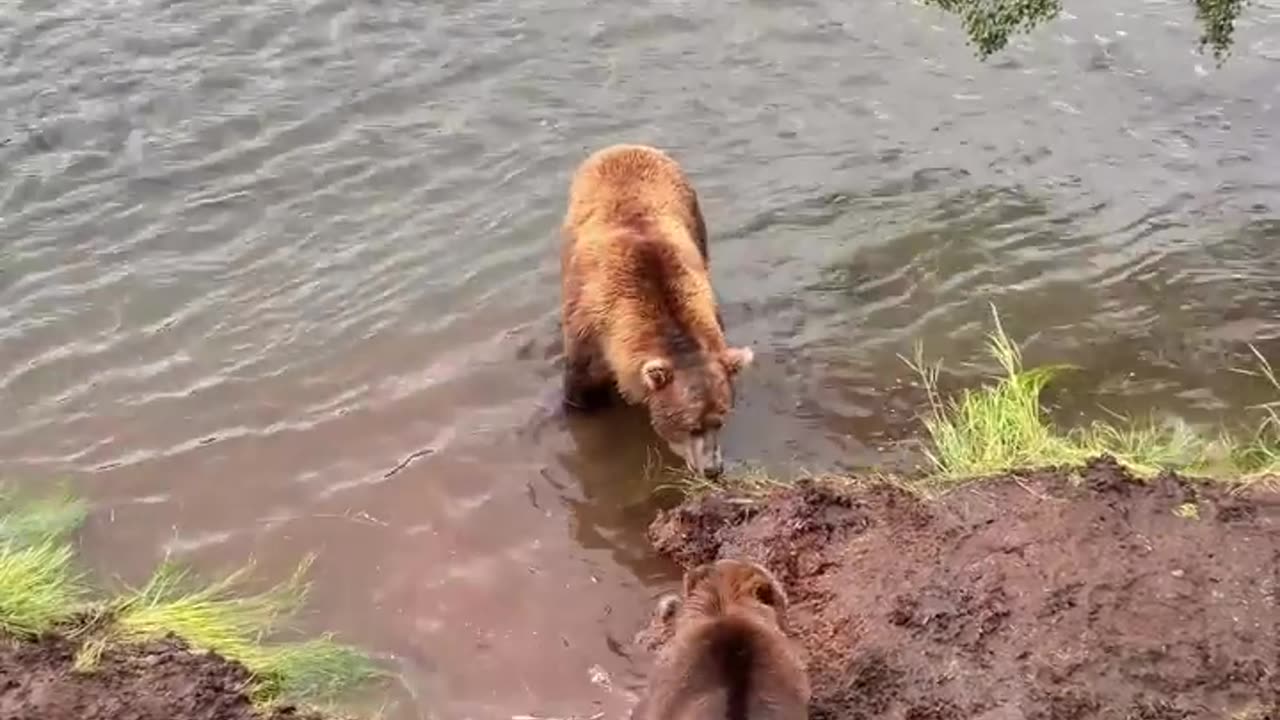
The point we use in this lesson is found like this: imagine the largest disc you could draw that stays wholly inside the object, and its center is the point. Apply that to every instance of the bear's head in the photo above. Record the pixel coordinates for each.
(690, 399)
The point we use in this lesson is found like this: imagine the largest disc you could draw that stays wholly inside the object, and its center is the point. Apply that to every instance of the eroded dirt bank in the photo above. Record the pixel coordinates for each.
(157, 681)
(1050, 594)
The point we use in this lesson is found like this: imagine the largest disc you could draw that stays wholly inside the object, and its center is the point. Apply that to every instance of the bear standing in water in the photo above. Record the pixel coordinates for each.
(728, 657)
(637, 308)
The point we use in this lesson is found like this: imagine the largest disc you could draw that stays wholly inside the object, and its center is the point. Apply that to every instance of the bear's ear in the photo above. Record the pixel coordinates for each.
(736, 359)
(770, 592)
(657, 374)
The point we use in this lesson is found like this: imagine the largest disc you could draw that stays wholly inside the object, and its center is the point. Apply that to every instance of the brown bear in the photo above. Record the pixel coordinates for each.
(637, 309)
(728, 656)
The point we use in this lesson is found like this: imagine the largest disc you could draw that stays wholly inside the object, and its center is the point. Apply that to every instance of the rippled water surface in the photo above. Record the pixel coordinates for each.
(280, 277)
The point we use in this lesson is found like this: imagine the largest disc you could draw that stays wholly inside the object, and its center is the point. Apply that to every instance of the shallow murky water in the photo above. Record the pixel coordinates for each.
(280, 277)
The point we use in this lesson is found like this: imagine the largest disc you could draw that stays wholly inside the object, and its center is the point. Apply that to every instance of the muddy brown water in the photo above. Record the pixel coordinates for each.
(255, 256)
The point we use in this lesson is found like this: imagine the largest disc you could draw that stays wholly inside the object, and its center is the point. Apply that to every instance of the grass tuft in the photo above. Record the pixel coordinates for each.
(38, 586)
(1260, 453)
(995, 427)
(217, 617)
(747, 482)
(38, 589)
(315, 669)
(1003, 426)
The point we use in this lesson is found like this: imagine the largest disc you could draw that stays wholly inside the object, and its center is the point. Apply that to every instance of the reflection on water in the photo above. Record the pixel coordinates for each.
(258, 255)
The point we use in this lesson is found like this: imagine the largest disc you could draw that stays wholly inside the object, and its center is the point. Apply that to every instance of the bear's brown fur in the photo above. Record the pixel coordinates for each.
(728, 656)
(638, 312)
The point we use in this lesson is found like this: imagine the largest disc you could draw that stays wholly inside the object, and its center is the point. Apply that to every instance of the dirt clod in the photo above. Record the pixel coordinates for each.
(1054, 595)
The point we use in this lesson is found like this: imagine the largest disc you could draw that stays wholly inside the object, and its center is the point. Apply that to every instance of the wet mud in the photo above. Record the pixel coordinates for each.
(160, 680)
(1054, 594)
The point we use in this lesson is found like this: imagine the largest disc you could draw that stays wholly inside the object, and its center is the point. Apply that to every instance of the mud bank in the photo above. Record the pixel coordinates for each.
(1054, 594)
(161, 680)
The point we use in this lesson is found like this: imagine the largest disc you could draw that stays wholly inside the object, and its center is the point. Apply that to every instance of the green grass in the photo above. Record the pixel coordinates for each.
(41, 591)
(1003, 426)
(994, 427)
(38, 588)
(224, 618)
(1260, 452)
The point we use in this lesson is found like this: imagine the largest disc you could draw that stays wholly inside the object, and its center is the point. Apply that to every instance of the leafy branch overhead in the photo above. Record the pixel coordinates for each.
(990, 23)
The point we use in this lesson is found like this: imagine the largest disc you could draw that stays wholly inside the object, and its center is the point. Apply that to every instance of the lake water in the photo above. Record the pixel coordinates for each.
(280, 277)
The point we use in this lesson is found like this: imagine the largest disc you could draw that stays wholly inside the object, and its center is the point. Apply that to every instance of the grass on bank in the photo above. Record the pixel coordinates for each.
(41, 591)
(223, 617)
(1003, 426)
(39, 587)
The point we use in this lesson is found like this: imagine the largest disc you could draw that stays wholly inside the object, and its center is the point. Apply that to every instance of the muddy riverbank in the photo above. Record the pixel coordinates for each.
(160, 680)
(1047, 594)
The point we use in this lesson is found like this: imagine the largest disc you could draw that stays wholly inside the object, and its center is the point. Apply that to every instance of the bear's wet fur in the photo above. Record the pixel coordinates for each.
(638, 312)
(728, 656)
